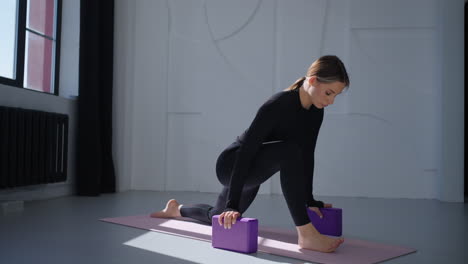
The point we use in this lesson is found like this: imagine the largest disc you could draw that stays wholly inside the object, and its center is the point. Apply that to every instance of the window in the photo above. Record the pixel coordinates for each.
(29, 56)
(8, 18)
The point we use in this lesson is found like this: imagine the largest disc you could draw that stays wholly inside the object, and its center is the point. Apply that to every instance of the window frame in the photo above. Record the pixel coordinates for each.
(21, 45)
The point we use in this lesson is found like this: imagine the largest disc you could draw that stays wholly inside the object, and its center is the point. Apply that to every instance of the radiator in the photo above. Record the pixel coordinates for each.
(33, 147)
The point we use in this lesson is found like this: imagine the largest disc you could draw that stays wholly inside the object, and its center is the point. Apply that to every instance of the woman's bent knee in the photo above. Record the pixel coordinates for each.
(290, 151)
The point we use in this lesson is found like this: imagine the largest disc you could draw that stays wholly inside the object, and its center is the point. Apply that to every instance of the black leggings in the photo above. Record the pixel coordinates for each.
(272, 157)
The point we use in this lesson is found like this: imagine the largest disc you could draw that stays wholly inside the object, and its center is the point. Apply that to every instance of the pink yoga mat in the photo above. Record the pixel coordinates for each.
(277, 241)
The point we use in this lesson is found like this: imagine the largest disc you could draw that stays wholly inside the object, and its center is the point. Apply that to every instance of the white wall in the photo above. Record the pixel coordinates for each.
(451, 80)
(68, 87)
(190, 76)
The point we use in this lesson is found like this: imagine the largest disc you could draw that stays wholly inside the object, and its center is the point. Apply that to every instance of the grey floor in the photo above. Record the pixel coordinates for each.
(67, 230)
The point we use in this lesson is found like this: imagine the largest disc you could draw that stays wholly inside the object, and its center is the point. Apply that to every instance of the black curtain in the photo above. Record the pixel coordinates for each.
(466, 100)
(95, 172)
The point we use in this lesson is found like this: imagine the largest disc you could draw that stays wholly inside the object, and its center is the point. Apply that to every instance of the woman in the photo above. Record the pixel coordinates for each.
(282, 137)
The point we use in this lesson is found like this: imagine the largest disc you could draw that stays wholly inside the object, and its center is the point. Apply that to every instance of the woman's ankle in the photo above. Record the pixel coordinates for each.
(307, 230)
(178, 210)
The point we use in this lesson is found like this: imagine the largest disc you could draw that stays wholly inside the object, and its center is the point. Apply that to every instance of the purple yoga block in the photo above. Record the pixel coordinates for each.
(242, 237)
(331, 223)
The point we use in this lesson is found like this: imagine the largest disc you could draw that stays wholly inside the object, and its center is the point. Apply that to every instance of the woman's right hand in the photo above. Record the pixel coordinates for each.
(229, 218)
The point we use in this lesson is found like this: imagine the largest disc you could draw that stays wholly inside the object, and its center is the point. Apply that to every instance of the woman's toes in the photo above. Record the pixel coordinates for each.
(335, 244)
(341, 241)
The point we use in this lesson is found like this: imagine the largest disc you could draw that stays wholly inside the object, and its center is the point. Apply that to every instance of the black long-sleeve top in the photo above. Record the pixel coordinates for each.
(281, 118)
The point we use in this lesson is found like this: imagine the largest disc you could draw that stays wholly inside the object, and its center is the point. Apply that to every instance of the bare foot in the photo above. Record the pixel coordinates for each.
(171, 210)
(320, 243)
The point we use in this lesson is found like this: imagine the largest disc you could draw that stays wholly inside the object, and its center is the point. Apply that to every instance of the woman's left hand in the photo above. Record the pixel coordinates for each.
(317, 210)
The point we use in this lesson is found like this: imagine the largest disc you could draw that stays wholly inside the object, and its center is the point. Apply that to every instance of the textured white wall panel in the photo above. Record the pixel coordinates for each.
(184, 153)
(203, 68)
(149, 95)
(393, 13)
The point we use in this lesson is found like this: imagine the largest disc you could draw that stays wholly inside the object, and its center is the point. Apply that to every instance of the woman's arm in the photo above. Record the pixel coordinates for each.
(264, 121)
(309, 163)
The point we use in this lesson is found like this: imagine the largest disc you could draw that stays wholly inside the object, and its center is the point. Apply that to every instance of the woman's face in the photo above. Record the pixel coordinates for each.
(323, 94)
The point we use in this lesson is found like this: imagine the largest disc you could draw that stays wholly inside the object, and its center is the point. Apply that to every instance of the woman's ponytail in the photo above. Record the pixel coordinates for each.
(296, 84)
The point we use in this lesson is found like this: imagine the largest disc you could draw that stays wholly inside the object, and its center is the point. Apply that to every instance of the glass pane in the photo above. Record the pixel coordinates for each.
(38, 63)
(8, 18)
(41, 16)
